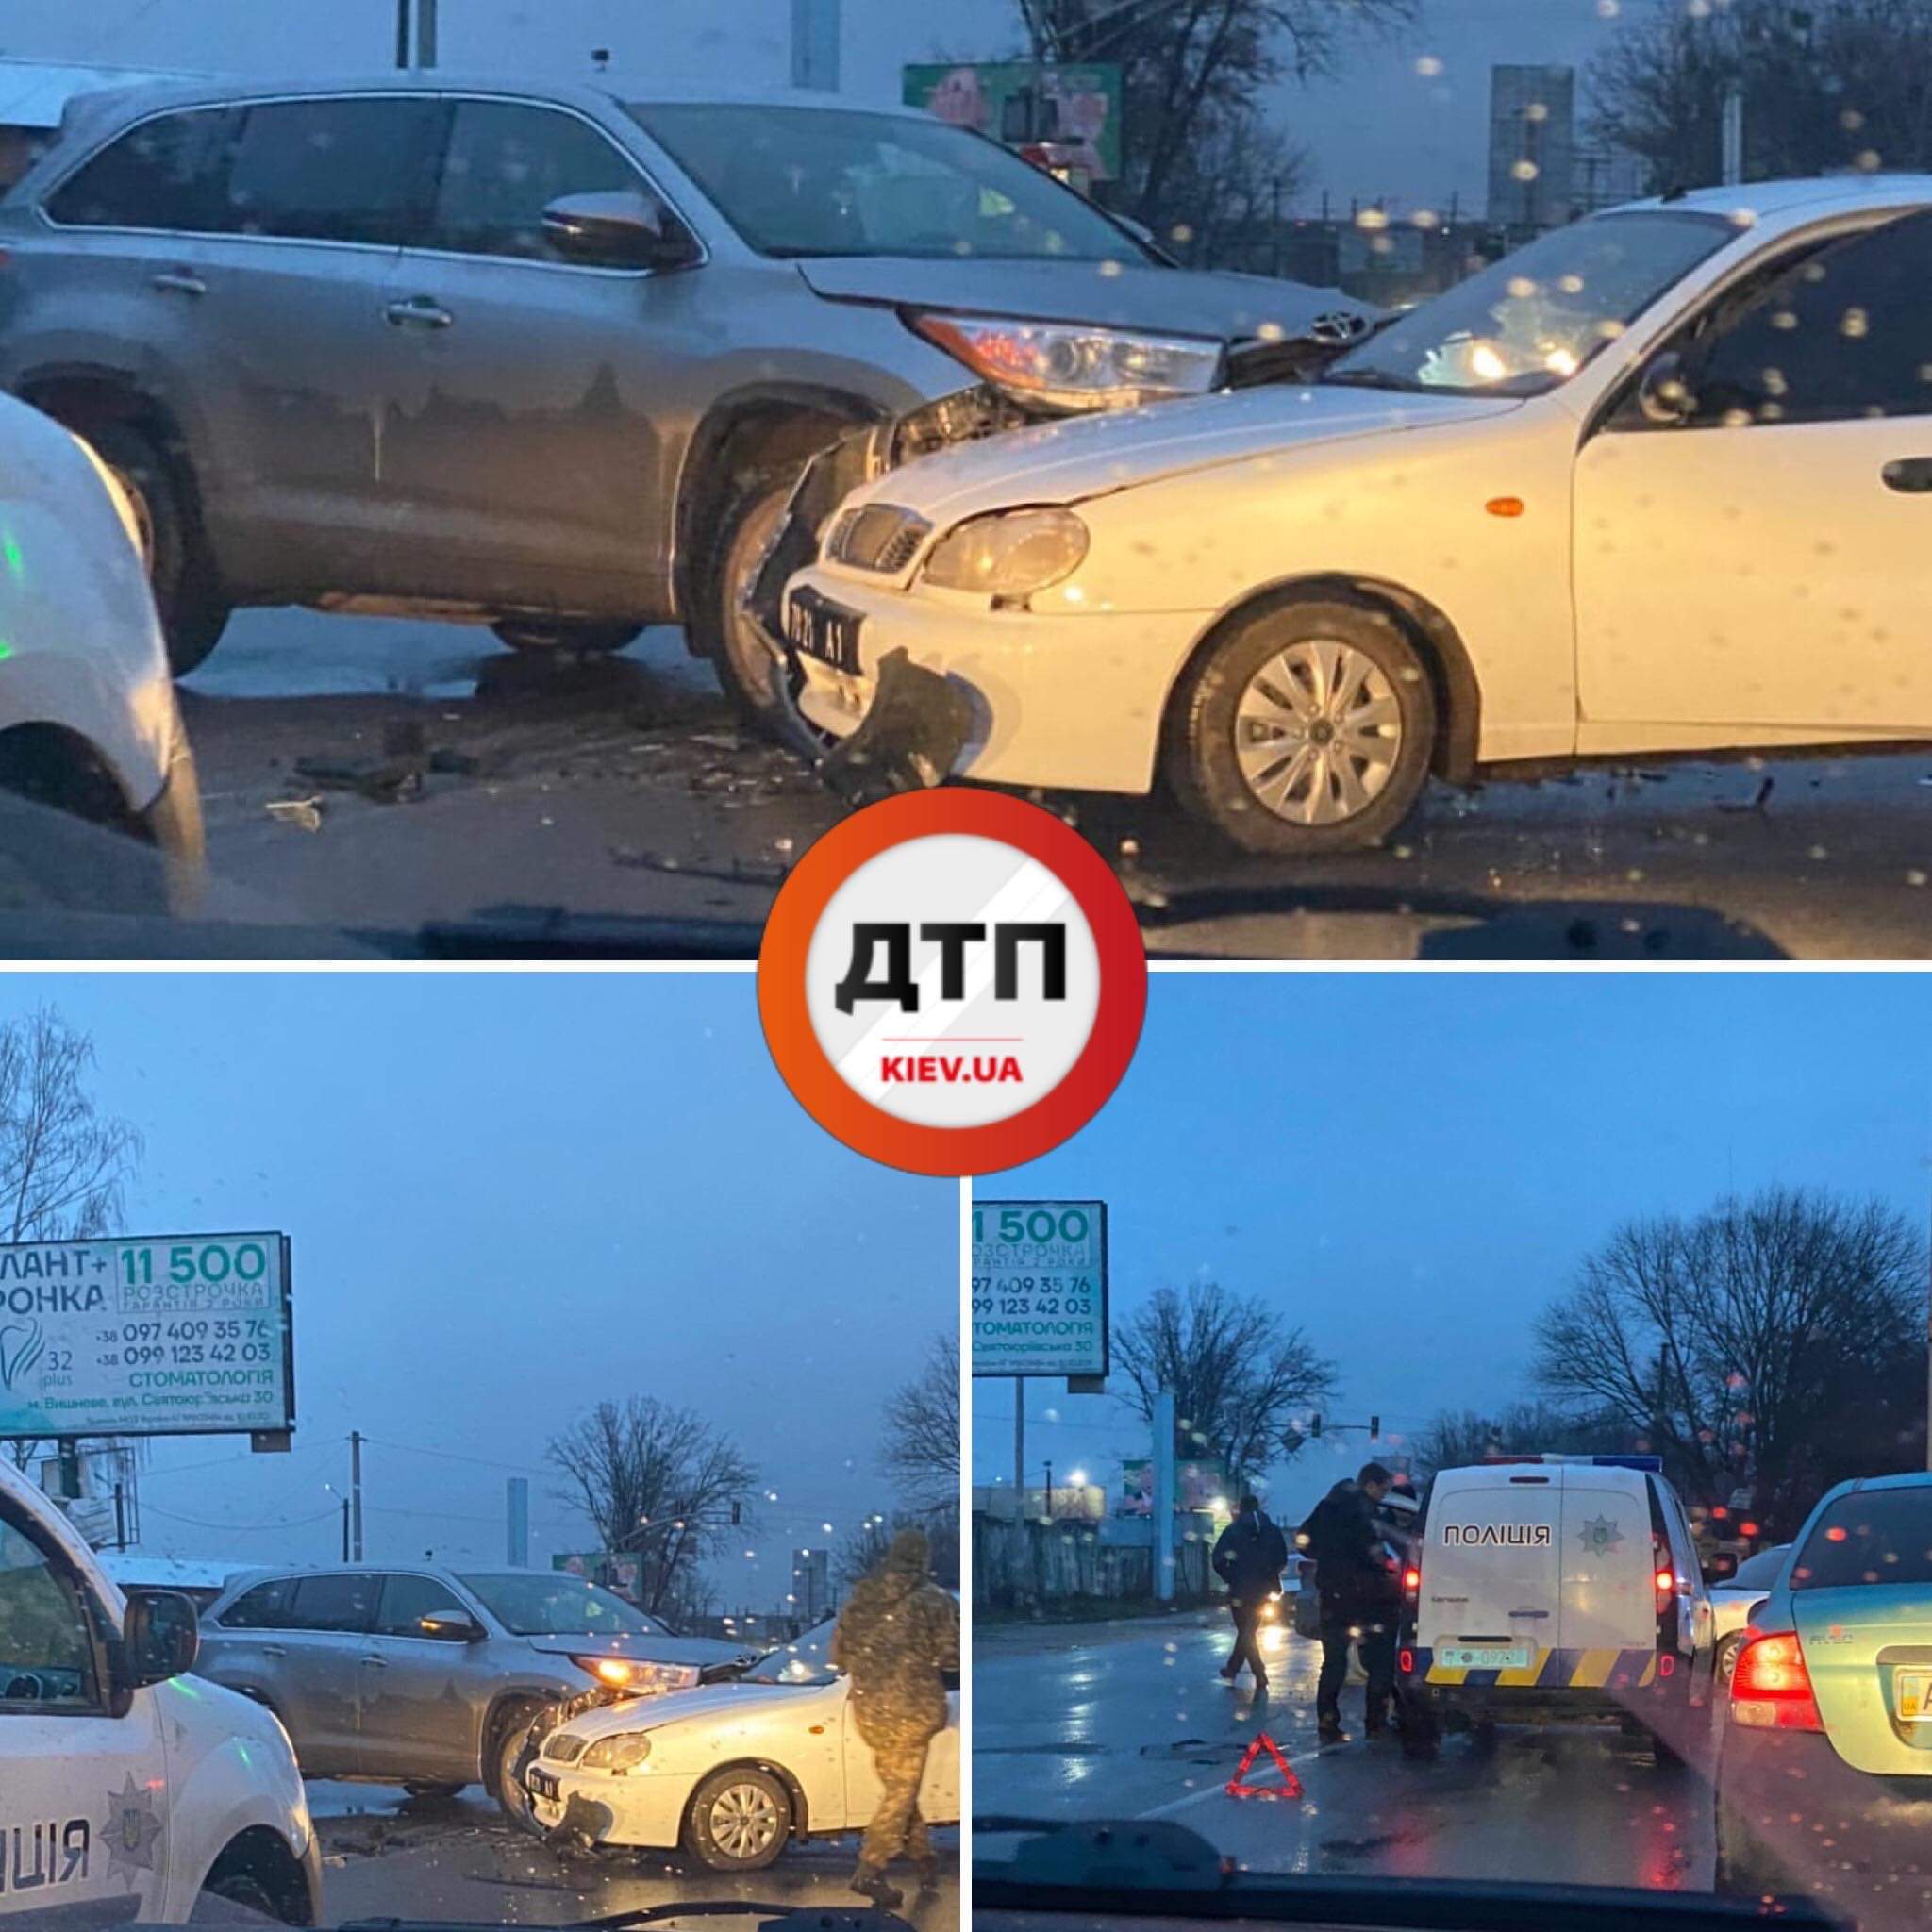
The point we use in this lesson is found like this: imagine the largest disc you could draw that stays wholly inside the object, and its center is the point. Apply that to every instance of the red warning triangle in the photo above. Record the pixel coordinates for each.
(1238, 1787)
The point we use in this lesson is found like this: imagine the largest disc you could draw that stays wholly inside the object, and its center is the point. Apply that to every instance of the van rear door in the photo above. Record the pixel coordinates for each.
(1490, 1575)
(1608, 1607)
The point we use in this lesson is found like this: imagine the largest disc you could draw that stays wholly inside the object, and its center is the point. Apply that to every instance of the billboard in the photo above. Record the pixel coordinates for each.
(149, 1335)
(1017, 102)
(1198, 1485)
(1040, 1288)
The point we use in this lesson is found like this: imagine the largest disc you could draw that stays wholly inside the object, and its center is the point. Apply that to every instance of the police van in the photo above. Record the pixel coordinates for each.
(126, 1794)
(1554, 1589)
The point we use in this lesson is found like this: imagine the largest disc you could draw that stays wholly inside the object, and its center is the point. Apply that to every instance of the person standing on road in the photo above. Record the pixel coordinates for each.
(897, 1638)
(1249, 1557)
(1359, 1595)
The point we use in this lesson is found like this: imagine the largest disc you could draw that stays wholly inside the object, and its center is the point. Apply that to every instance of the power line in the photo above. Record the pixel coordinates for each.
(244, 1528)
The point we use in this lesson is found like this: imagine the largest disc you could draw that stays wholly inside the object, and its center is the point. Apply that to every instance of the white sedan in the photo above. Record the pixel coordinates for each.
(733, 1772)
(1659, 482)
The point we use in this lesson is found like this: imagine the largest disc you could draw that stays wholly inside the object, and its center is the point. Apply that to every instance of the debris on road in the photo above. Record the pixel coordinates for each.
(304, 812)
(736, 872)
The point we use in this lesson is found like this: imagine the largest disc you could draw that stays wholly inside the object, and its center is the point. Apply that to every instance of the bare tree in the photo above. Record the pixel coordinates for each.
(657, 1482)
(1240, 1374)
(64, 1163)
(1454, 1439)
(1774, 1340)
(921, 1428)
(862, 1550)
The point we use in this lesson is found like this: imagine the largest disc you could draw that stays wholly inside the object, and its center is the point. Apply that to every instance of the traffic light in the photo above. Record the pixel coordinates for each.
(737, 1510)
(1314, 1426)
(1375, 1426)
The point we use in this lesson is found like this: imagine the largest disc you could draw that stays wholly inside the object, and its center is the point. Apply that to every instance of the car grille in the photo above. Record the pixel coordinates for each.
(878, 537)
(563, 1748)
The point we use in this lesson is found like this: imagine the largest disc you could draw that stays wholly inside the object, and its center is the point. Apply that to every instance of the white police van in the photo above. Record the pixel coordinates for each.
(126, 1793)
(1555, 1589)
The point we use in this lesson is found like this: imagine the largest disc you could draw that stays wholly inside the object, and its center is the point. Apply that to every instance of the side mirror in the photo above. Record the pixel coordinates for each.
(1663, 392)
(1721, 1566)
(618, 230)
(452, 1626)
(160, 1639)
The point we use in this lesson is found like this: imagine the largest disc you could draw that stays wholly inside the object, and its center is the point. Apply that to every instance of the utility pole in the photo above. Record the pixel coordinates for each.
(1049, 1491)
(356, 1490)
(403, 33)
(423, 51)
(1163, 1496)
(1020, 1441)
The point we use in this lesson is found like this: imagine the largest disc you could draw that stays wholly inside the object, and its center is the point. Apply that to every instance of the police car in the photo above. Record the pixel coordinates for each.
(1554, 1589)
(126, 1794)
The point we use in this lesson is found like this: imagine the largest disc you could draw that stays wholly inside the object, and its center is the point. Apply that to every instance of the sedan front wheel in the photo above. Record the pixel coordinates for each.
(1305, 728)
(740, 1820)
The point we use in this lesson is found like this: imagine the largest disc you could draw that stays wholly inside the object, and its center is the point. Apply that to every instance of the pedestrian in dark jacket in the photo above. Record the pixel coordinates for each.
(1360, 1594)
(1248, 1557)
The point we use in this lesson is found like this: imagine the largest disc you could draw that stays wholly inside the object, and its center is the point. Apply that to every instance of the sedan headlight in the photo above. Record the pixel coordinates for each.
(624, 1751)
(637, 1676)
(1066, 366)
(1010, 554)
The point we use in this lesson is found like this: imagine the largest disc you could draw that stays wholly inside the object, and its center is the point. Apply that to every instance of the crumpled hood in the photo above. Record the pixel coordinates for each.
(674, 1706)
(1172, 301)
(1089, 456)
(648, 1649)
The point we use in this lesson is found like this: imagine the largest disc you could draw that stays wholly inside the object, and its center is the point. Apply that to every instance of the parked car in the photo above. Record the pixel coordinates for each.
(1824, 1778)
(202, 1583)
(432, 1678)
(734, 1772)
(1657, 483)
(1734, 1600)
(129, 1796)
(89, 724)
(299, 319)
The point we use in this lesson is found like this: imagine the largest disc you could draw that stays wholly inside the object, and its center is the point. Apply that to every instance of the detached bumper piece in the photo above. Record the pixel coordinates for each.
(907, 740)
(585, 1825)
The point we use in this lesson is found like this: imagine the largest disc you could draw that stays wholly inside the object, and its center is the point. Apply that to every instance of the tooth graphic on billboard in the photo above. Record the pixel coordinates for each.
(20, 1348)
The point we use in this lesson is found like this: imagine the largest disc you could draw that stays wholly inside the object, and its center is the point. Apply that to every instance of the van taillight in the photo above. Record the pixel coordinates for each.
(1411, 1582)
(1771, 1688)
(1405, 1662)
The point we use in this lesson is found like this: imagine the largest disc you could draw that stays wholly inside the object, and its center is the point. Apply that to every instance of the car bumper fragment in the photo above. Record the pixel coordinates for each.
(911, 736)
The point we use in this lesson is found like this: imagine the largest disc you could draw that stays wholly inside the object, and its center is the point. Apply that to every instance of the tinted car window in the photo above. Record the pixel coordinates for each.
(264, 1607)
(1842, 336)
(167, 173)
(407, 1599)
(1871, 1536)
(333, 1603)
(46, 1651)
(1760, 1572)
(333, 170)
(505, 164)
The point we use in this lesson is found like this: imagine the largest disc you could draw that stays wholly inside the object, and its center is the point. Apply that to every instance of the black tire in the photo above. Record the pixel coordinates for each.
(1726, 1661)
(592, 637)
(506, 1741)
(420, 1791)
(186, 591)
(722, 631)
(242, 1889)
(744, 1799)
(1316, 771)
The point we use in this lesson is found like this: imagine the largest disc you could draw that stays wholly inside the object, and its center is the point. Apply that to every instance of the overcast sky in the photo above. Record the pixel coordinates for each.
(1381, 128)
(1410, 1165)
(511, 1196)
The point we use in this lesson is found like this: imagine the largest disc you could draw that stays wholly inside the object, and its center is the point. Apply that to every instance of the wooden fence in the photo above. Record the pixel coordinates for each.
(1028, 1566)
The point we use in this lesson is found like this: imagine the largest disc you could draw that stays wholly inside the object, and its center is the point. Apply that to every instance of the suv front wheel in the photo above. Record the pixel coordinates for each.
(193, 613)
(723, 628)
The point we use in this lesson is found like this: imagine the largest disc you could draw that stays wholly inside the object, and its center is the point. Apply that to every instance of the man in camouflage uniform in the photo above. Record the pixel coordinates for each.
(896, 1637)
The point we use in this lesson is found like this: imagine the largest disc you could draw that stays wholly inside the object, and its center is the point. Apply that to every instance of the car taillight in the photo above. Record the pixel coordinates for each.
(1411, 1584)
(1771, 1688)
(1405, 1662)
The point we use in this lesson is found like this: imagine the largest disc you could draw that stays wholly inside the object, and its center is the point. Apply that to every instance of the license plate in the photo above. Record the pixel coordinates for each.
(822, 629)
(541, 1782)
(1486, 1656)
(1912, 1693)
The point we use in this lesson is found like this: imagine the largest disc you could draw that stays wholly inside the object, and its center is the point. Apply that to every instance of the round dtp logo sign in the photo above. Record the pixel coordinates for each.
(952, 982)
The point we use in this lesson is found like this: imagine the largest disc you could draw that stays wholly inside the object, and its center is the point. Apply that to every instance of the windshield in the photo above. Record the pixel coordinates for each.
(1528, 323)
(806, 181)
(1869, 1536)
(805, 1659)
(559, 1607)
(1762, 1570)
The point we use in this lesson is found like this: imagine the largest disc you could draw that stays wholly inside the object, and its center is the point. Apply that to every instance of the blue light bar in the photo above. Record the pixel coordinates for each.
(1655, 1464)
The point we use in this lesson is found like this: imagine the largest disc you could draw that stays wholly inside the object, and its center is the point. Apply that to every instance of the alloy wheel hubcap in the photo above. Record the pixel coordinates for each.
(744, 1820)
(1317, 732)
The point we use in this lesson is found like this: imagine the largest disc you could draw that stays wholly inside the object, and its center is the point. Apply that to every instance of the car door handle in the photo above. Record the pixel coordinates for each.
(381, 1663)
(181, 281)
(1911, 476)
(424, 311)
(275, 1650)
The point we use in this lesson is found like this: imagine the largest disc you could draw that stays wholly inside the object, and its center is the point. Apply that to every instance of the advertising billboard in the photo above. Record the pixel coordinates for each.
(1018, 102)
(147, 1335)
(1040, 1288)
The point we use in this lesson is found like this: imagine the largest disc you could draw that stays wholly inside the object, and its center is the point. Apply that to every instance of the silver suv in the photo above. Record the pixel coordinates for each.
(434, 1678)
(552, 357)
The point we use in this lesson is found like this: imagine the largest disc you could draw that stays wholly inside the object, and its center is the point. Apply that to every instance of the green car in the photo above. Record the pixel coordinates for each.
(1825, 1780)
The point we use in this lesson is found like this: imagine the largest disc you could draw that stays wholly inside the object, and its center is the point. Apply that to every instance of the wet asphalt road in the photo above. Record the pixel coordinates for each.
(621, 786)
(1130, 1720)
(385, 1856)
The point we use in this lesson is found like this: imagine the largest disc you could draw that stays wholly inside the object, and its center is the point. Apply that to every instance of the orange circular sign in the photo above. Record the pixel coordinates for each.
(952, 982)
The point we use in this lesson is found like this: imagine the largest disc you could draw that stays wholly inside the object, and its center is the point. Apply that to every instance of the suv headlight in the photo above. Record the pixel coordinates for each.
(1010, 554)
(1067, 366)
(635, 1675)
(624, 1751)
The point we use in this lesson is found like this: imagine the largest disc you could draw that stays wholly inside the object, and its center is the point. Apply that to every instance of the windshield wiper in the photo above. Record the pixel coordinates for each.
(1371, 378)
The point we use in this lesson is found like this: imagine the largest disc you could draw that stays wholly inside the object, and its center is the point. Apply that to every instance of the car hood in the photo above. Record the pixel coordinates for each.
(647, 1649)
(1230, 309)
(674, 1706)
(1092, 455)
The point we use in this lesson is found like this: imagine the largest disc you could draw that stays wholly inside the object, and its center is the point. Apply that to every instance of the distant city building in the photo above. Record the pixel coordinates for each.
(811, 1584)
(1532, 146)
